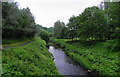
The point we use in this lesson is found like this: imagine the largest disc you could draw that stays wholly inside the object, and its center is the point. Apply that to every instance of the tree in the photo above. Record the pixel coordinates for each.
(58, 26)
(17, 23)
(72, 26)
(114, 17)
(38, 28)
(113, 12)
(93, 24)
(65, 33)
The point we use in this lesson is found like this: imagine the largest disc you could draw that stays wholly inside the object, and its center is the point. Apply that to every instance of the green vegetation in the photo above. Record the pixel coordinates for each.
(31, 59)
(94, 56)
(41, 28)
(44, 35)
(93, 24)
(18, 28)
(50, 30)
(58, 28)
(0, 62)
(15, 42)
(91, 39)
(96, 33)
(17, 23)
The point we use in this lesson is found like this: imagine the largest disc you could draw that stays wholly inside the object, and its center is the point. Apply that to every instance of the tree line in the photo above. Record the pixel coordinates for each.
(19, 23)
(92, 24)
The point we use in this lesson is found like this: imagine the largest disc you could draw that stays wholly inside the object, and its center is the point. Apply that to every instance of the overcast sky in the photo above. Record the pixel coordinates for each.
(46, 12)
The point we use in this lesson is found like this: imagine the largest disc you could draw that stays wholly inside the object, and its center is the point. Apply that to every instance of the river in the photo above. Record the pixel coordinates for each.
(64, 64)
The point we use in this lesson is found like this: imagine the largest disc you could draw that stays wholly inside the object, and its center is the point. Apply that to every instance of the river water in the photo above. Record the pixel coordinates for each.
(64, 64)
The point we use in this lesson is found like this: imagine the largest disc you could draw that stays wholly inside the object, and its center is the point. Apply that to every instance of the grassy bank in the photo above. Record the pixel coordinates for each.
(15, 42)
(31, 59)
(96, 57)
(0, 62)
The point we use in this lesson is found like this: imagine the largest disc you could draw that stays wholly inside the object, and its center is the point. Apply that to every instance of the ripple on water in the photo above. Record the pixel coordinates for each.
(64, 64)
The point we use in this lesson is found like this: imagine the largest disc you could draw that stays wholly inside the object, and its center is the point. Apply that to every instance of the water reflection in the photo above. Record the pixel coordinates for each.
(64, 64)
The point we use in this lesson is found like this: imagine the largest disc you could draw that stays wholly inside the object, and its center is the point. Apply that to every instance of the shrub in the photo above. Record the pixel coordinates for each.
(44, 35)
(114, 45)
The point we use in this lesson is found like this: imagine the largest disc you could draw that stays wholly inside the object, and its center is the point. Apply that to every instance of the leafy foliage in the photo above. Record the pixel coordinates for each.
(58, 27)
(17, 22)
(44, 35)
(40, 27)
(95, 57)
(114, 17)
(94, 24)
(31, 59)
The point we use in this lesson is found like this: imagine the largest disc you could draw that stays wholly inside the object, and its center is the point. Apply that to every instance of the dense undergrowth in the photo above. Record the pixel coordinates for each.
(94, 56)
(31, 59)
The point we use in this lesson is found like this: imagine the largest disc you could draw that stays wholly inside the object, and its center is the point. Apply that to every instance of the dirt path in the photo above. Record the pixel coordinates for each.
(19, 46)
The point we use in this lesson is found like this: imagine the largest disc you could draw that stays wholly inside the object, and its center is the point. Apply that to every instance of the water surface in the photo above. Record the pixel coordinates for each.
(64, 64)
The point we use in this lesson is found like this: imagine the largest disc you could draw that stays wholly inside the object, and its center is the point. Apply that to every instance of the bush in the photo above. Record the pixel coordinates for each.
(44, 35)
(114, 45)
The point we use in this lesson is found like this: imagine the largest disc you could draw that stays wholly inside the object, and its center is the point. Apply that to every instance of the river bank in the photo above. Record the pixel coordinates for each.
(31, 59)
(94, 58)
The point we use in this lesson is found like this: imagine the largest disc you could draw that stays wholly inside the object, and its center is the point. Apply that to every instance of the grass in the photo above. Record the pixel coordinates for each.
(31, 59)
(95, 57)
(0, 62)
(15, 42)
